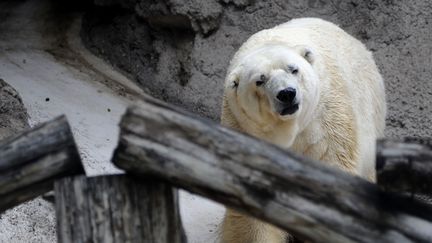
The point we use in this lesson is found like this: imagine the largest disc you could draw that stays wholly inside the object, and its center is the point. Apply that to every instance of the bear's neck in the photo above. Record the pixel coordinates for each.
(281, 133)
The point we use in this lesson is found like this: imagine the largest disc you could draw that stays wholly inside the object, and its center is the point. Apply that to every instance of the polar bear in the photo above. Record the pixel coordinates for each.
(308, 86)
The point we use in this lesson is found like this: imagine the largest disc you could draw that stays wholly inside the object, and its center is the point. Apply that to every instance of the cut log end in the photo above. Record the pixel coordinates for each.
(405, 166)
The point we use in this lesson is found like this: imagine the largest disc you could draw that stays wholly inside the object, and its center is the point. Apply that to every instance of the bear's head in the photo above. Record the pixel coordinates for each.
(271, 86)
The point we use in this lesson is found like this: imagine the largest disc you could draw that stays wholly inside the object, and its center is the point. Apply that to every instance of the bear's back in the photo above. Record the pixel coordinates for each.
(357, 73)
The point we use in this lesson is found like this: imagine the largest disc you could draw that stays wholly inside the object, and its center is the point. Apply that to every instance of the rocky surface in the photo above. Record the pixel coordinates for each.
(13, 114)
(179, 50)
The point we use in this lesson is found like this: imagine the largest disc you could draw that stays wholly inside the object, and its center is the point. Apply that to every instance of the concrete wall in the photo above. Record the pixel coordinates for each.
(179, 50)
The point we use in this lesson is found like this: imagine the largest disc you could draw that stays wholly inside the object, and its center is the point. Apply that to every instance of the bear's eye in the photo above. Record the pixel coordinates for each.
(261, 81)
(293, 69)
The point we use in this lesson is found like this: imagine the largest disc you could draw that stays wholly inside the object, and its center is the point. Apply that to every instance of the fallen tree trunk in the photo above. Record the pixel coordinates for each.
(304, 197)
(117, 209)
(405, 166)
(32, 160)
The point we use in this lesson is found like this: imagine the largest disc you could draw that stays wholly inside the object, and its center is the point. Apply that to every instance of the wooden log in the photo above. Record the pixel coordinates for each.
(304, 197)
(405, 165)
(32, 160)
(117, 209)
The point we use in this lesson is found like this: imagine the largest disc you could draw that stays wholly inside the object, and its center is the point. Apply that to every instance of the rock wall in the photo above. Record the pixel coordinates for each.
(178, 50)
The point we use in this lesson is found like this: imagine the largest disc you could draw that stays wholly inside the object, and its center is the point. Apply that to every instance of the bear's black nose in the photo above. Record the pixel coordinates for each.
(286, 95)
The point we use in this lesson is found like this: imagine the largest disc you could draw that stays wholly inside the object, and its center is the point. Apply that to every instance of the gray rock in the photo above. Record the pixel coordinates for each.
(179, 50)
(203, 15)
(13, 114)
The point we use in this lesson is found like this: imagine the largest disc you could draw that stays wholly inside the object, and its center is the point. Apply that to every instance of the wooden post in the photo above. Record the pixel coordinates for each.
(304, 197)
(32, 160)
(117, 209)
(405, 166)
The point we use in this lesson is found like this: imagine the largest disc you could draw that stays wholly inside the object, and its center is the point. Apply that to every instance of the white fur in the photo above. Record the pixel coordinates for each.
(339, 89)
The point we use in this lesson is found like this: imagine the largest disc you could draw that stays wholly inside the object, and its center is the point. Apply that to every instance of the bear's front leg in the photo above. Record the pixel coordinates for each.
(239, 228)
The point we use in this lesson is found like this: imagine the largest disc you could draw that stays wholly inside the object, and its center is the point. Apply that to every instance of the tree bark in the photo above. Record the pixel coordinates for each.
(117, 209)
(405, 166)
(304, 197)
(32, 160)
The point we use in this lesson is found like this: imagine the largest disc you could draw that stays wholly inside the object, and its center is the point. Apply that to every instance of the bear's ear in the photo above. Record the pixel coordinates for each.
(306, 52)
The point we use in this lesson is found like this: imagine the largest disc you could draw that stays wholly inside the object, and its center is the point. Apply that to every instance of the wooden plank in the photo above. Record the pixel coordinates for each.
(32, 160)
(405, 165)
(304, 197)
(117, 209)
